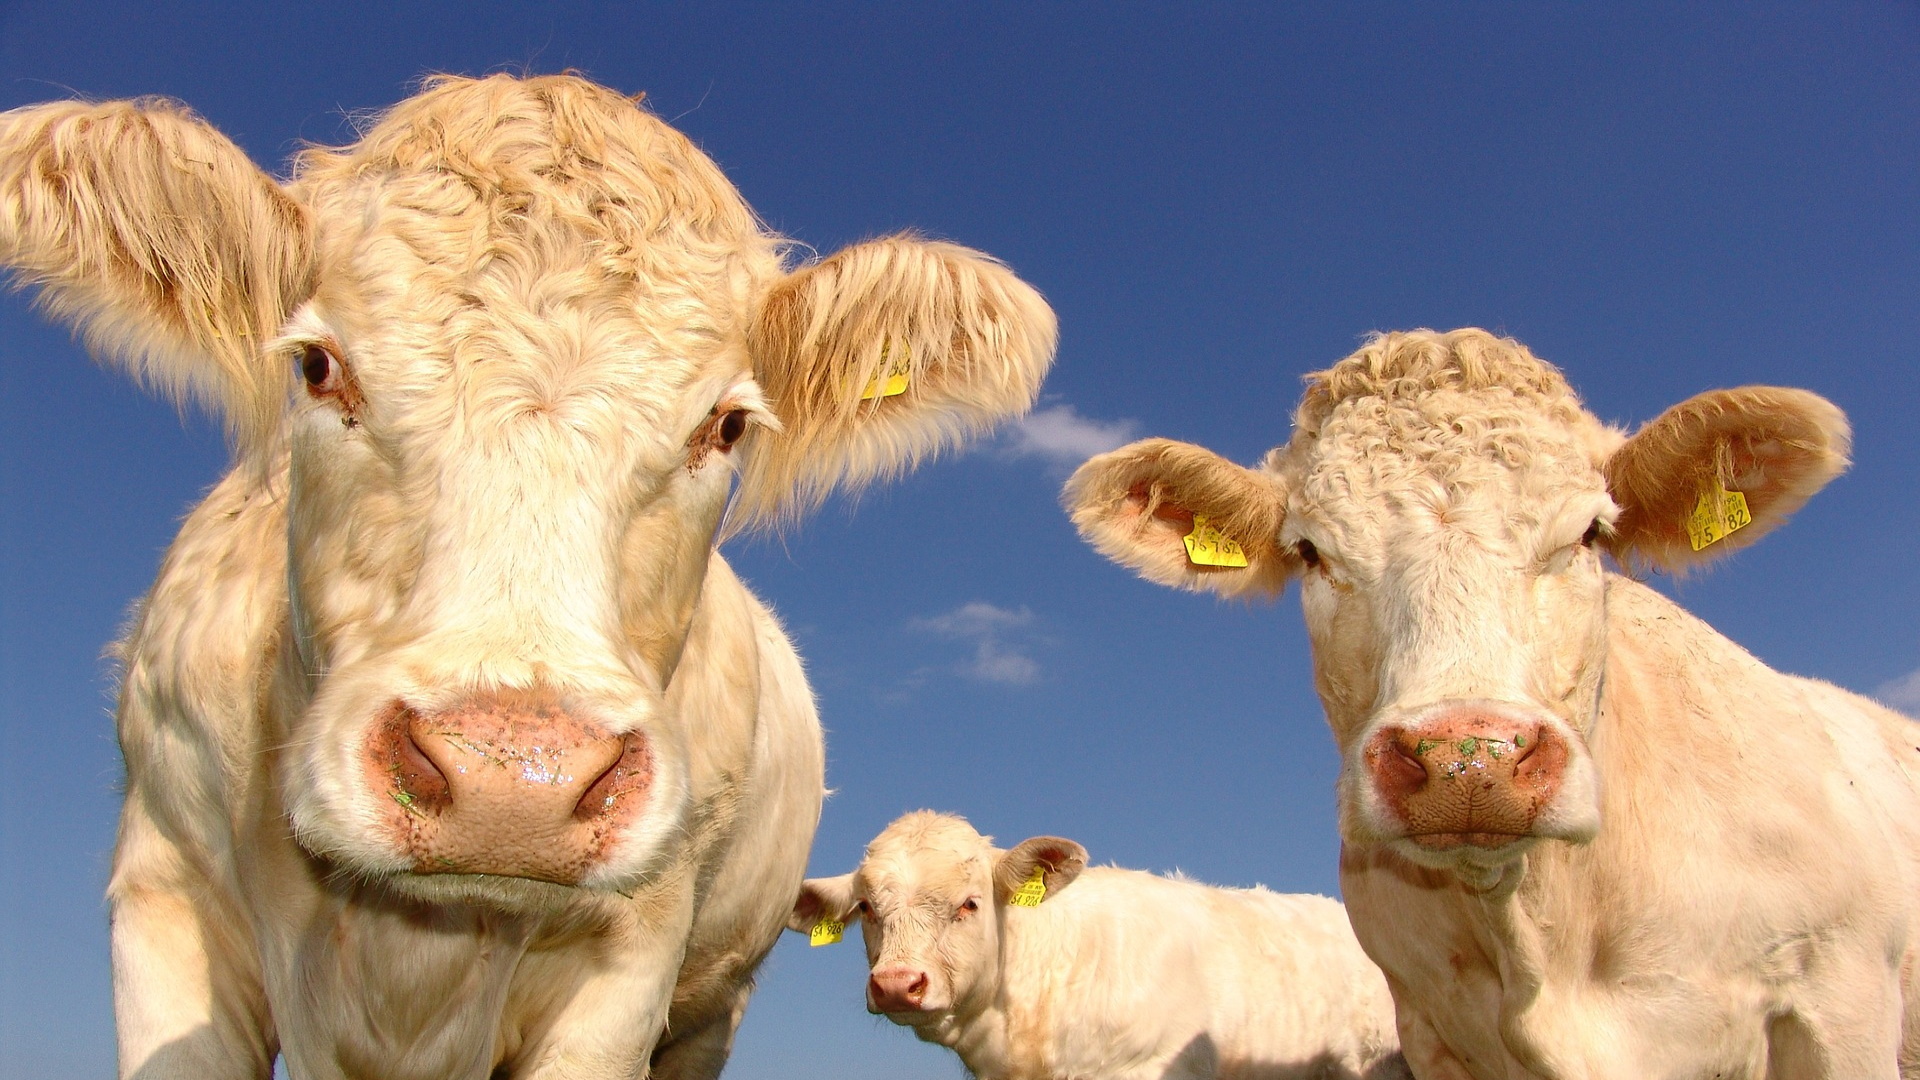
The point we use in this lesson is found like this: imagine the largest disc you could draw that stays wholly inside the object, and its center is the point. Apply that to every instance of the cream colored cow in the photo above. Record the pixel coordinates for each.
(1585, 835)
(1124, 976)
(452, 749)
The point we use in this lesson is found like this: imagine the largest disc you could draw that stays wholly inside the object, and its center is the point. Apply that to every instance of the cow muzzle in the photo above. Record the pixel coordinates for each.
(1467, 777)
(897, 991)
(510, 784)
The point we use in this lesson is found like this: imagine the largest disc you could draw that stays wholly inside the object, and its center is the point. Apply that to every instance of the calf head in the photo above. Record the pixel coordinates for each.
(931, 897)
(503, 360)
(1445, 501)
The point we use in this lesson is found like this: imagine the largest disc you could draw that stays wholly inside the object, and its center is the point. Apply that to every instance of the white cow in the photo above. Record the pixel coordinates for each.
(1125, 976)
(452, 749)
(1586, 836)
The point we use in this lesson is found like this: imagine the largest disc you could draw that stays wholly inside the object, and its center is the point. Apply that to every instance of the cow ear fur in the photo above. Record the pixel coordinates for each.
(156, 237)
(822, 898)
(1058, 859)
(1136, 506)
(972, 340)
(1774, 445)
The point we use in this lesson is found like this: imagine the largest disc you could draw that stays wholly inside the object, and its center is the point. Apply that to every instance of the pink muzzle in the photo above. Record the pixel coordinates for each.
(509, 784)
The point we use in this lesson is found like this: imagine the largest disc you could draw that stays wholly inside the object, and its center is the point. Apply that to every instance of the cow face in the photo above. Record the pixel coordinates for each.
(1445, 502)
(931, 898)
(503, 360)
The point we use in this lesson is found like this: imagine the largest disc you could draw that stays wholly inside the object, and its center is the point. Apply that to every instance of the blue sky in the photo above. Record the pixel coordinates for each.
(1216, 201)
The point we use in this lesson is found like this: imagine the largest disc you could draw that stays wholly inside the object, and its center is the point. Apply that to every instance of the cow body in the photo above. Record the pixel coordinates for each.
(1683, 941)
(453, 750)
(1585, 836)
(1124, 975)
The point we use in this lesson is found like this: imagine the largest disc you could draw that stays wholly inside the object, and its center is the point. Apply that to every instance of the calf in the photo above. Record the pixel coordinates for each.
(453, 751)
(1124, 976)
(1585, 835)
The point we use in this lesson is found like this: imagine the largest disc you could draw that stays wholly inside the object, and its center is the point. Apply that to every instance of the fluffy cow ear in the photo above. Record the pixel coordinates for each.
(157, 238)
(1058, 860)
(822, 898)
(1143, 506)
(1772, 445)
(881, 356)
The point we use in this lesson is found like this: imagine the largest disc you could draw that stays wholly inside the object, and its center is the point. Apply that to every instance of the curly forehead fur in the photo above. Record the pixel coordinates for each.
(1430, 396)
(925, 844)
(548, 197)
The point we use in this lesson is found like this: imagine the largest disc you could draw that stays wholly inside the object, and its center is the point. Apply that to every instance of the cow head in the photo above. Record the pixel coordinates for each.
(1445, 501)
(503, 359)
(930, 897)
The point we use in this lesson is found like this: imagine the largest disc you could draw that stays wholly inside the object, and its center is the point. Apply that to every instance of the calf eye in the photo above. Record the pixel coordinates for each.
(968, 908)
(863, 908)
(732, 426)
(1593, 533)
(320, 369)
(1308, 553)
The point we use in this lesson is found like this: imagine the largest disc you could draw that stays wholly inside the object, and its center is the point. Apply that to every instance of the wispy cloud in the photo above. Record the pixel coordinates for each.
(998, 657)
(1902, 693)
(1063, 438)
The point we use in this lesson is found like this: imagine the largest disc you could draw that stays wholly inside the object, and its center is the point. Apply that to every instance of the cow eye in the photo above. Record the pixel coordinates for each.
(320, 368)
(863, 908)
(968, 908)
(1592, 534)
(1308, 553)
(731, 427)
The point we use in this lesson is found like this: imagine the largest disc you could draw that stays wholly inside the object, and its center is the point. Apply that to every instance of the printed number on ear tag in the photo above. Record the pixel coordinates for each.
(896, 374)
(1031, 891)
(826, 932)
(1208, 546)
(1719, 514)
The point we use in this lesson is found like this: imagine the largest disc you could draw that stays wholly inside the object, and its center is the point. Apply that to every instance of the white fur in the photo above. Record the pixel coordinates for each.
(1118, 974)
(540, 301)
(1727, 882)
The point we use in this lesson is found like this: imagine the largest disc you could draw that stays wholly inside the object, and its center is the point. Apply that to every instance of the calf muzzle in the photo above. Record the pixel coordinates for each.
(510, 784)
(1466, 777)
(896, 990)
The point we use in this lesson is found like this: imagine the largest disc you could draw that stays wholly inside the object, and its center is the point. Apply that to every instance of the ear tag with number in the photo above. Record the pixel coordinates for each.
(1031, 891)
(1719, 514)
(826, 932)
(1208, 546)
(896, 374)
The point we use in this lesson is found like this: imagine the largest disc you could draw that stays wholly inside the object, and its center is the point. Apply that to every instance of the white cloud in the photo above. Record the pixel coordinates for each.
(987, 627)
(1063, 438)
(1902, 693)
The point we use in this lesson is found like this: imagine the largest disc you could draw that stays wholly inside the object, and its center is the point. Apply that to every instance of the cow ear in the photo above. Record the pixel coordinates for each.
(880, 357)
(1773, 445)
(1058, 860)
(822, 898)
(1142, 506)
(155, 236)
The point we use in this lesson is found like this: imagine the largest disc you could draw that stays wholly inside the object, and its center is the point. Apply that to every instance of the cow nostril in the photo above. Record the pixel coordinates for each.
(918, 989)
(627, 773)
(417, 778)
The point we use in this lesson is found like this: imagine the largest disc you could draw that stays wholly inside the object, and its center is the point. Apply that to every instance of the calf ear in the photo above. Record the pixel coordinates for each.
(1774, 445)
(160, 241)
(1058, 860)
(881, 356)
(822, 898)
(1137, 506)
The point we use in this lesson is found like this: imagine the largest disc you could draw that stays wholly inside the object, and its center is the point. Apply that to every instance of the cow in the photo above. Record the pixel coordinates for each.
(1125, 976)
(1585, 835)
(452, 748)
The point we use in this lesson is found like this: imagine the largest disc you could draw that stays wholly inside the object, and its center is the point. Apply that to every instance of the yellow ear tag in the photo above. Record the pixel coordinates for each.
(1031, 891)
(826, 932)
(1719, 514)
(1208, 546)
(897, 374)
